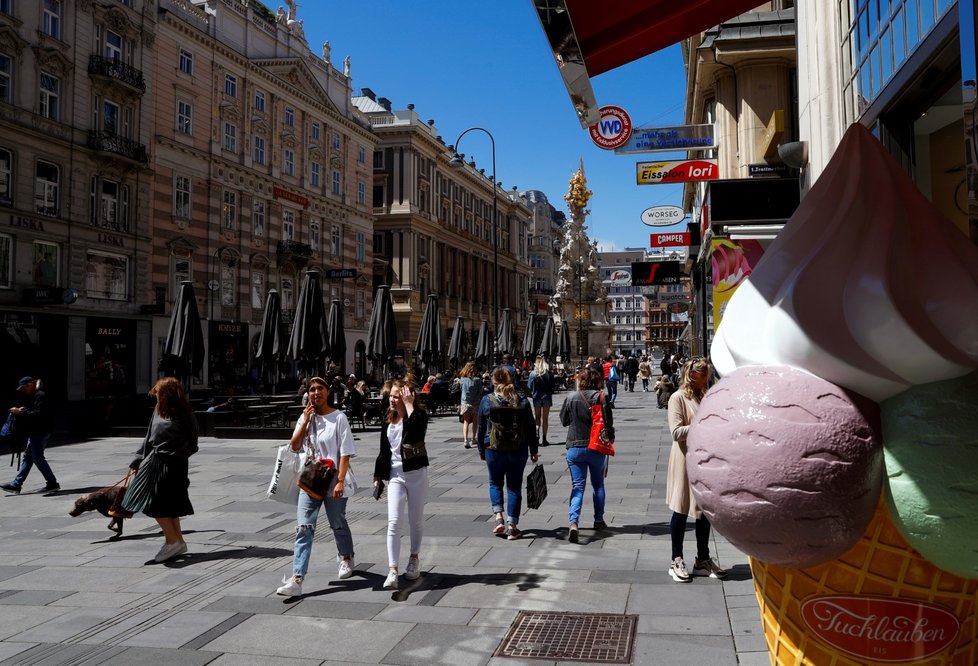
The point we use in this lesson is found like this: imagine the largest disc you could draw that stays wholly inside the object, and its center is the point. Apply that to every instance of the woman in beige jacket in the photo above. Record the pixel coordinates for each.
(693, 378)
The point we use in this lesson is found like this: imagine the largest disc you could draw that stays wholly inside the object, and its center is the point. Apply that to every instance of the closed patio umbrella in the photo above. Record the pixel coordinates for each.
(457, 346)
(337, 334)
(382, 332)
(548, 343)
(529, 348)
(309, 342)
(504, 336)
(482, 343)
(269, 352)
(427, 350)
(183, 352)
(564, 346)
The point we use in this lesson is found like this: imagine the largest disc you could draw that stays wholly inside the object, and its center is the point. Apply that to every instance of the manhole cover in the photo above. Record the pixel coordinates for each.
(594, 637)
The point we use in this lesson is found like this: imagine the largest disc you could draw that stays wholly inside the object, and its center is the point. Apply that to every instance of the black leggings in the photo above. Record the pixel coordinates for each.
(677, 528)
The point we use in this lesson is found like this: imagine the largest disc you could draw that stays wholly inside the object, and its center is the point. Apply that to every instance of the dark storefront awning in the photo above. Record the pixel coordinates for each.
(589, 38)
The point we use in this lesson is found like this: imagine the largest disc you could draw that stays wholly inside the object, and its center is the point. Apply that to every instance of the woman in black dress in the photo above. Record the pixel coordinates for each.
(172, 438)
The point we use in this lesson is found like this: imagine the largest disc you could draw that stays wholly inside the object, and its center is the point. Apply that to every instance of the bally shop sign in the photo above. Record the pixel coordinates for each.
(664, 139)
(673, 239)
(279, 193)
(676, 171)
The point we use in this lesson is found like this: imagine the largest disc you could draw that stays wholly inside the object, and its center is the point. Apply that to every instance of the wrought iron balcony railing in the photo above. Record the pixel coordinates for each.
(110, 142)
(295, 248)
(118, 70)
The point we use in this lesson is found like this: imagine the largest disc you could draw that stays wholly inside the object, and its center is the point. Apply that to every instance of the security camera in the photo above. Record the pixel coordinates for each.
(794, 154)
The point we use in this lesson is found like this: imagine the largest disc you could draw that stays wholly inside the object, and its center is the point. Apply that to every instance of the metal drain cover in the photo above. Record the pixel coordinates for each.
(592, 637)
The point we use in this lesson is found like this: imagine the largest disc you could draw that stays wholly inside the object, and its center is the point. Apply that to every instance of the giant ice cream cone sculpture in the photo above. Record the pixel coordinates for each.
(840, 449)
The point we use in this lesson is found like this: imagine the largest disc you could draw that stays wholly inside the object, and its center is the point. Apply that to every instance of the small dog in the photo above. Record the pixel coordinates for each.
(102, 501)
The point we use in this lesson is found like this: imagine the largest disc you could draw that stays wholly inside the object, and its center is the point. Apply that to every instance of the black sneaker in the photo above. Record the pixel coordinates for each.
(10, 488)
(52, 487)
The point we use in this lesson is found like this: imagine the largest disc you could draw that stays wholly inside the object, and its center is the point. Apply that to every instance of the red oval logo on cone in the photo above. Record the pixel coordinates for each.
(881, 629)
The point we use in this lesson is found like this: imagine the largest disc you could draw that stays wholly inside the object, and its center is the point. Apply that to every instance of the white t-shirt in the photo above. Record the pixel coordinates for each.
(395, 431)
(332, 437)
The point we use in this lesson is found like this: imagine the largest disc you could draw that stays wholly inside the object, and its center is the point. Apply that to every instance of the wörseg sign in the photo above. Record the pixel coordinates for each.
(662, 216)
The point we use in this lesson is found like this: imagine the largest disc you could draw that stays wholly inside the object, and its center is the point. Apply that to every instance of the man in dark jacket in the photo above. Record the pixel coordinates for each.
(35, 420)
(631, 370)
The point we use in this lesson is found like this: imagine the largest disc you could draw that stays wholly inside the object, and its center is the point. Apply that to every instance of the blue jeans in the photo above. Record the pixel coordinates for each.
(35, 456)
(581, 460)
(612, 389)
(508, 467)
(307, 513)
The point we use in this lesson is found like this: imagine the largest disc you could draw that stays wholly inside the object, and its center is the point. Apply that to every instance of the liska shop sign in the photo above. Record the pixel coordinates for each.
(881, 629)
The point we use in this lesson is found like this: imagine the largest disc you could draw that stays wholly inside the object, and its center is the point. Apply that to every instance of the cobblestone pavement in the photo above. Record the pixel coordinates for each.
(71, 595)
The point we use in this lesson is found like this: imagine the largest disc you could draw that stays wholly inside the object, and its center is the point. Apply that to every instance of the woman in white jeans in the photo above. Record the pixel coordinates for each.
(403, 463)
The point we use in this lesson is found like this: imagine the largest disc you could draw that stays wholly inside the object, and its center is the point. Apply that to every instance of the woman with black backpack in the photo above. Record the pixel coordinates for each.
(506, 437)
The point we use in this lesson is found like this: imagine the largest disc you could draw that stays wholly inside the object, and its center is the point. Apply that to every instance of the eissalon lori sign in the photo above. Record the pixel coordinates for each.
(881, 629)
(677, 171)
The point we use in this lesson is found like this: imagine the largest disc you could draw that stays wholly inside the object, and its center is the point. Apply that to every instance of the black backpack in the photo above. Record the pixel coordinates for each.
(505, 425)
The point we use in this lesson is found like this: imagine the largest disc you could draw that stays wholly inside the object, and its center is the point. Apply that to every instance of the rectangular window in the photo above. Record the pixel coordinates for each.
(288, 160)
(257, 289)
(259, 150)
(109, 205)
(259, 101)
(314, 173)
(337, 244)
(336, 182)
(361, 154)
(258, 219)
(110, 117)
(106, 276)
(47, 176)
(186, 62)
(6, 69)
(113, 46)
(184, 117)
(289, 117)
(229, 213)
(51, 23)
(45, 264)
(229, 282)
(361, 304)
(336, 140)
(181, 196)
(230, 85)
(6, 177)
(361, 247)
(50, 94)
(315, 131)
(361, 192)
(230, 138)
(378, 159)
(5, 7)
(288, 224)
(6, 261)
(314, 235)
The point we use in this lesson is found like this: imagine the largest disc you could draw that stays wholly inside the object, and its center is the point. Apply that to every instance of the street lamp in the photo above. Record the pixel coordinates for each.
(457, 163)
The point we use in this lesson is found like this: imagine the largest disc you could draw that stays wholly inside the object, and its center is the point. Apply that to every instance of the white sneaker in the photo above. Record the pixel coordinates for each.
(391, 582)
(346, 568)
(413, 570)
(679, 572)
(292, 587)
(169, 551)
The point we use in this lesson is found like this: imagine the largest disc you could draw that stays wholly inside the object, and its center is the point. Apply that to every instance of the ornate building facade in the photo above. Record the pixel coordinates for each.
(543, 244)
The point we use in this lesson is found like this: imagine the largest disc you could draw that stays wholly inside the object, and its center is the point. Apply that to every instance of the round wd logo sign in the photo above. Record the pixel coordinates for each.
(612, 129)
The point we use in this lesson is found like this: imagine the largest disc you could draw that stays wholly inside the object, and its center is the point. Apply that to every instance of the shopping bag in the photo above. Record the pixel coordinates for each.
(142, 487)
(285, 475)
(536, 487)
(602, 436)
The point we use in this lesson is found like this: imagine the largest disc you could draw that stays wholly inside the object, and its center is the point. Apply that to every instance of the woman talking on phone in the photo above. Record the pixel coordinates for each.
(403, 463)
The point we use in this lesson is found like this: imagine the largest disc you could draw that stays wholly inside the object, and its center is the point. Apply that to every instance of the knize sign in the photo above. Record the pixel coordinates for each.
(681, 171)
(674, 239)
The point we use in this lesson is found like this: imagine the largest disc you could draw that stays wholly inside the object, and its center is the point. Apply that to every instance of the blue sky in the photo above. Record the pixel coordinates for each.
(488, 64)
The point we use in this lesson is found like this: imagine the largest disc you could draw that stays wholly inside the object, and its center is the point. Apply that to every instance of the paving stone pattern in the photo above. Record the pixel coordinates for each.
(70, 594)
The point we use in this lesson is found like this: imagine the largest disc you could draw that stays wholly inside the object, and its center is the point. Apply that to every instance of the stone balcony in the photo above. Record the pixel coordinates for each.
(115, 70)
(112, 143)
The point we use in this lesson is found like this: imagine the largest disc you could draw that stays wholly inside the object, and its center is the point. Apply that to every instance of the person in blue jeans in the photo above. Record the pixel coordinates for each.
(575, 414)
(611, 377)
(35, 420)
(506, 437)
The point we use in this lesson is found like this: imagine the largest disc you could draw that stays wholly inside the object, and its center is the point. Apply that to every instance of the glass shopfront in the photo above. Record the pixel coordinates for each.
(227, 358)
(110, 359)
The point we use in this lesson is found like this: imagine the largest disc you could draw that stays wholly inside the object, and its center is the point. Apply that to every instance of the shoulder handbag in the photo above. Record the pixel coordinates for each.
(602, 437)
(317, 473)
(536, 487)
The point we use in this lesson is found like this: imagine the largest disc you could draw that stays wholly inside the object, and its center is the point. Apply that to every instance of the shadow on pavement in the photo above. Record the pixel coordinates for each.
(156, 534)
(429, 582)
(246, 552)
(739, 572)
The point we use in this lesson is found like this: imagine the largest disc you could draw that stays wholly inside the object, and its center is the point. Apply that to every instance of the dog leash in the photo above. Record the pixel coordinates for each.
(124, 480)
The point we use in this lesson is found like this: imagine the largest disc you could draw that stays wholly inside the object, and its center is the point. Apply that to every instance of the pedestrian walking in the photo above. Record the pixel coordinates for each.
(631, 372)
(468, 406)
(611, 377)
(506, 437)
(172, 439)
(683, 404)
(34, 419)
(575, 414)
(645, 373)
(327, 431)
(664, 388)
(541, 385)
(403, 463)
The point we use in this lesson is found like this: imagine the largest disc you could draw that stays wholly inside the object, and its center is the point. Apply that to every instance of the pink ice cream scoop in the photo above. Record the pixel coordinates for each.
(787, 466)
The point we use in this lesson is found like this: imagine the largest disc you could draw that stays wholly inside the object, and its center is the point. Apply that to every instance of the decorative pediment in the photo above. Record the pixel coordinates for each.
(297, 74)
(117, 21)
(10, 41)
(261, 126)
(315, 152)
(231, 114)
(53, 61)
(181, 246)
(289, 139)
(259, 261)
(335, 161)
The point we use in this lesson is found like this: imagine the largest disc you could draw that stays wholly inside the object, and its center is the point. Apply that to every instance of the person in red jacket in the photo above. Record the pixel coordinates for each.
(610, 371)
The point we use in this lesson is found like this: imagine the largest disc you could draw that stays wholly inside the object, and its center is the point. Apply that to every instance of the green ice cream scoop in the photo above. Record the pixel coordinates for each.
(930, 444)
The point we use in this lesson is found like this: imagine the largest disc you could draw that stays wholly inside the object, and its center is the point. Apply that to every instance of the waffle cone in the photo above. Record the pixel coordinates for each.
(881, 564)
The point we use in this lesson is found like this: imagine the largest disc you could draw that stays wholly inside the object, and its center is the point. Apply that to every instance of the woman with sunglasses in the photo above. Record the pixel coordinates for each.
(326, 431)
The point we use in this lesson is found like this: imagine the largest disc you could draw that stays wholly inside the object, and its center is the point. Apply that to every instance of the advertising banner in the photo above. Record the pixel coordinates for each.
(675, 171)
(733, 261)
(665, 139)
(656, 272)
(673, 239)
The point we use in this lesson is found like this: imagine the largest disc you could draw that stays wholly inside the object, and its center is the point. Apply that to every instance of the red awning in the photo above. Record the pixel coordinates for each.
(611, 33)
